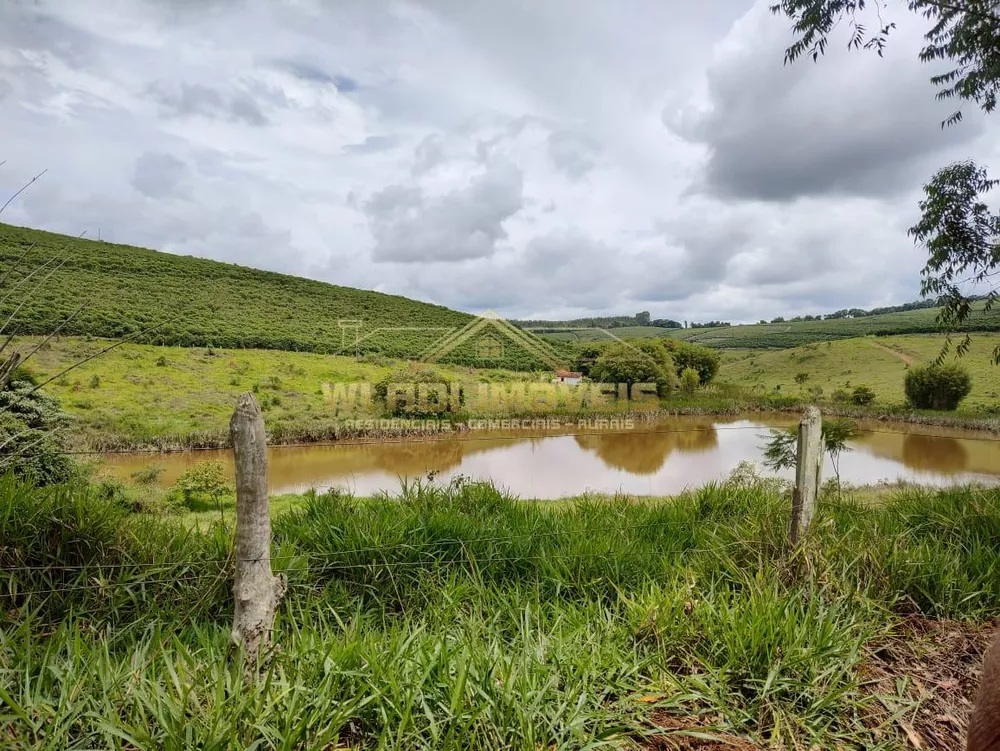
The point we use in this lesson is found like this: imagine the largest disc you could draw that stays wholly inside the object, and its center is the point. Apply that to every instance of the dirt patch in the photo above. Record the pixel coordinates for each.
(901, 355)
(922, 682)
(928, 675)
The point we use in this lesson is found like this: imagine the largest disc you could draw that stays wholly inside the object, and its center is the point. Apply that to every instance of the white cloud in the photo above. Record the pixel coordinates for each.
(537, 159)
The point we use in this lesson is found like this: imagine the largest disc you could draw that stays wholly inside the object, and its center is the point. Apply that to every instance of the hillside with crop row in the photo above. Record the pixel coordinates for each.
(789, 334)
(167, 299)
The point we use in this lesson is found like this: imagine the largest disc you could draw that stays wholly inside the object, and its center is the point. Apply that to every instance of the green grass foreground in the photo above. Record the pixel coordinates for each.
(459, 618)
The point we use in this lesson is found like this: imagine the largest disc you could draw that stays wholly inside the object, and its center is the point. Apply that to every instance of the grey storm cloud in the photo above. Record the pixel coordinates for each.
(410, 226)
(158, 175)
(848, 124)
(196, 99)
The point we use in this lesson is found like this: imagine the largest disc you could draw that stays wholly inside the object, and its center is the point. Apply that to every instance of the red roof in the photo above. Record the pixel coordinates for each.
(568, 374)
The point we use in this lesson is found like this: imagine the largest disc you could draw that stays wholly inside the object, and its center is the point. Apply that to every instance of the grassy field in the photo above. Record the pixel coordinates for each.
(459, 618)
(146, 395)
(198, 302)
(877, 362)
(794, 334)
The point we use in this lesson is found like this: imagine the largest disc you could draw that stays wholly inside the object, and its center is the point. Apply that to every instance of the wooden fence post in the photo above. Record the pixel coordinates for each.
(808, 466)
(984, 723)
(256, 590)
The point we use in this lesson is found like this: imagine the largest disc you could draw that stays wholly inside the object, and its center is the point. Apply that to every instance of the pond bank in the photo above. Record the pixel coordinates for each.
(375, 428)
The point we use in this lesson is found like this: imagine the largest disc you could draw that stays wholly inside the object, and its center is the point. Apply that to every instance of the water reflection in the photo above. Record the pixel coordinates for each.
(646, 453)
(934, 453)
(660, 458)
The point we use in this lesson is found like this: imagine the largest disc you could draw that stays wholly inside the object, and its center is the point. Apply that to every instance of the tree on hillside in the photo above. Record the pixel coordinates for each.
(666, 380)
(960, 233)
(626, 364)
(688, 355)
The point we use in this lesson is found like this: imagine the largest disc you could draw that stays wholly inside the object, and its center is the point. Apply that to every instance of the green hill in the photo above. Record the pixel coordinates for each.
(162, 298)
(795, 333)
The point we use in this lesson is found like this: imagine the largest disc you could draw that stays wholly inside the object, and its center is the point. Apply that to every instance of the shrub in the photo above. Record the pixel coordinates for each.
(419, 392)
(687, 355)
(862, 395)
(937, 386)
(32, 433)
(161, 361)
(801, 378)
(95, 381)
(840, 396)
(689, 380)
(203, 479)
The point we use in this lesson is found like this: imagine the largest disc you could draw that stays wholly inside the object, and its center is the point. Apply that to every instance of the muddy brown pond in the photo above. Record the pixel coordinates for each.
(654, 458)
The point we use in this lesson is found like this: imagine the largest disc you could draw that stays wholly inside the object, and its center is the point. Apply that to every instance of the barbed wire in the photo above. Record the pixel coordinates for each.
(453, 437)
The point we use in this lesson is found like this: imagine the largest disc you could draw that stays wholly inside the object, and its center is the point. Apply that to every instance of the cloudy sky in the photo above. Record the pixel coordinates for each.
(537, 158)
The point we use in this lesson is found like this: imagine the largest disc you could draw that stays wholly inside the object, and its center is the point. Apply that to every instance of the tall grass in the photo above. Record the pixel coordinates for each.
(458, 617)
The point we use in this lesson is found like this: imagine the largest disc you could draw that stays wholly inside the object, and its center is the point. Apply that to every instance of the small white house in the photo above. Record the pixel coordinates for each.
(568, 377)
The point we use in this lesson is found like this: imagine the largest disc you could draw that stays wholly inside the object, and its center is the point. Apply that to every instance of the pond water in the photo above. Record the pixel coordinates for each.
(657, 458)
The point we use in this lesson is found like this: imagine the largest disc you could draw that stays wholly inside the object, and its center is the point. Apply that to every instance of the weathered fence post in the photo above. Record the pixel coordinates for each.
(256, 590)
(984, 723)
(808, 465)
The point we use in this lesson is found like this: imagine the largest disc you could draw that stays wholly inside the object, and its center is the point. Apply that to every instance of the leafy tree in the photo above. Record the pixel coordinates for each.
(781, 449)
(687, 355)
(937, 386)
(960, 233)
(587, 356)
(666, 380)
(626, 364)
(642, 319)
(963, 240)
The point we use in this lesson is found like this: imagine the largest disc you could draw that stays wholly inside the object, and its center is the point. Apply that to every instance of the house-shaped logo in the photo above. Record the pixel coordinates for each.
(493, 331)
(489, 347)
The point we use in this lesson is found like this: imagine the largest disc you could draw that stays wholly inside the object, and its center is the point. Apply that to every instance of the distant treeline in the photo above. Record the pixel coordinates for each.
(599, 322)
(643, 319)
(856, 312)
